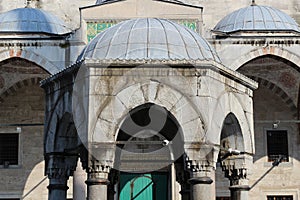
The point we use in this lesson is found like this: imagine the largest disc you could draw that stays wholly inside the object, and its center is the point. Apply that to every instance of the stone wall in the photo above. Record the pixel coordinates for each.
(22, 105)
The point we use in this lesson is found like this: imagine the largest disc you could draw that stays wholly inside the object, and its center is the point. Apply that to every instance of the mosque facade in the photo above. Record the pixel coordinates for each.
(149, 99)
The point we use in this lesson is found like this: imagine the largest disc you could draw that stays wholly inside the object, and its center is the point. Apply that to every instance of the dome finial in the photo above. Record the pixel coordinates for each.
(28, 4)
(253, 3)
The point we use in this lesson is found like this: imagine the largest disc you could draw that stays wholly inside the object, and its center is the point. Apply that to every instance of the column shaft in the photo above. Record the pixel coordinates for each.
(202, 192)
(97, 186)
(239, 192)
(97, 192)
(58, 189)
(202, 187)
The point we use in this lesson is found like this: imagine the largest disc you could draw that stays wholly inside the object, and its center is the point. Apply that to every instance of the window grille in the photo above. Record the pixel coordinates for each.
(281, 197)
(277, 145)
(9, 149)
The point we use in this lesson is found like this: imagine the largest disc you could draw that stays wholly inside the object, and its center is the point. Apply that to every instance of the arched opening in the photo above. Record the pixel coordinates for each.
(275, 106)
(231, 144)
(22, 106)
(231, 135)
(148, 142)
(275, 118)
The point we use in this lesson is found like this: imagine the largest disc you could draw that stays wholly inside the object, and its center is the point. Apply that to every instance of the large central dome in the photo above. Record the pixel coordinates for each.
(149, 39)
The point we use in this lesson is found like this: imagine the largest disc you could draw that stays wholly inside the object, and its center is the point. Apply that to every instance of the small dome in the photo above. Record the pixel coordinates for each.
(257, 18)
(31, 20)
(149, 39)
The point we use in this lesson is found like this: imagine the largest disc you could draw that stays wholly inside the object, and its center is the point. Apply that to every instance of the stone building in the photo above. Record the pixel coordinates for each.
(144, 99)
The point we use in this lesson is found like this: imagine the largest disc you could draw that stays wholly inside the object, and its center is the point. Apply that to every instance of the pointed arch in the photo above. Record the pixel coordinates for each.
(276, 51)
(229, 103)
(32, 57)
(231, 134)
(276, 90)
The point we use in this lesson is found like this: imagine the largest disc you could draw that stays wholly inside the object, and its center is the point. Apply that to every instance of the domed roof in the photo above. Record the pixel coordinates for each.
(149, 39)
(31, 20)
(257, 18)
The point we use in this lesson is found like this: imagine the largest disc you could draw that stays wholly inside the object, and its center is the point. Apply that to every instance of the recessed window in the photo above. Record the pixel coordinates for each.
(9, 149)
(280, 197)
(277, 145)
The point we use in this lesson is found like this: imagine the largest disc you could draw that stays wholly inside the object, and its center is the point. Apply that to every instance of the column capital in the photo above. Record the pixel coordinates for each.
(200, 157)
(58, 169)
(59, 166)
(98, 173)
(236, 170)
(237, 177)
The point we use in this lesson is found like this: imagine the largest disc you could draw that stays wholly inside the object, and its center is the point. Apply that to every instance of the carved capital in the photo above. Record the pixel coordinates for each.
(200, 171)
(60, 166)
(200, 157)
(98, 173)
(237, 176)
(236, 169)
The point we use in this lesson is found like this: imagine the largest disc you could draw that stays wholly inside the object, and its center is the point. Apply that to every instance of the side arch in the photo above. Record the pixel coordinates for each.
(276, 51)
(228, 103)
(231, 134)
(32, 57)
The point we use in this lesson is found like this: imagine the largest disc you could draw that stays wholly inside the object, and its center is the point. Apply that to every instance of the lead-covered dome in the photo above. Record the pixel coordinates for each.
(31, 20)
(149, 39)
(257, 18)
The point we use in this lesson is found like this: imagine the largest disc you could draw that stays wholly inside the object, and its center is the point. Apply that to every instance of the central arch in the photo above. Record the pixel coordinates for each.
(149, 140)
(152, 132)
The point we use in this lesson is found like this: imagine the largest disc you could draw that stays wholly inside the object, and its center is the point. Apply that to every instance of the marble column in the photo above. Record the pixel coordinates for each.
(239, 184)
(97, 182)
(201, 186)
(58, 188)
(239, 192)
(59, 168)
(236, 170)
(200, 160)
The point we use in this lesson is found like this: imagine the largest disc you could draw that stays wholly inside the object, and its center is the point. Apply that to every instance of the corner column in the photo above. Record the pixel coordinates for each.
(58, 188)
(202, 186)
(97, 181)
(200, 161)
(236, 170)
(239, 187)
(59, 168)
(239, 192)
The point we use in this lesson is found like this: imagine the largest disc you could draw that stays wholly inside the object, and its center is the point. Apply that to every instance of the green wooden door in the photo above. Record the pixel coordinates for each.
(143, 187)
